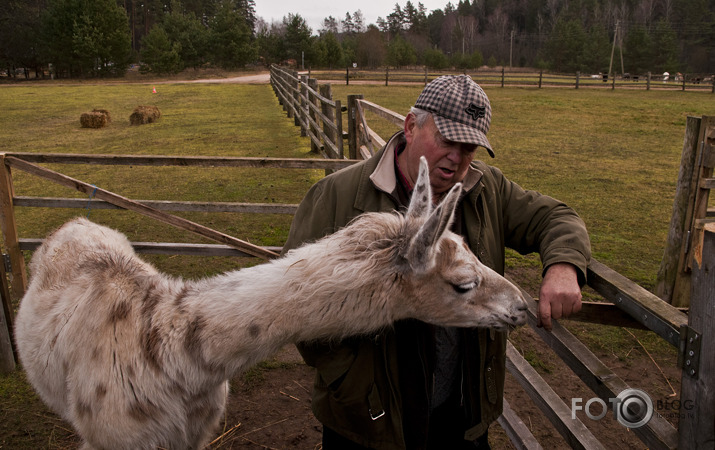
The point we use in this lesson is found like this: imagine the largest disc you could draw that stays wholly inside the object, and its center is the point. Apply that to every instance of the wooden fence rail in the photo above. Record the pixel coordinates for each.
(523, 78)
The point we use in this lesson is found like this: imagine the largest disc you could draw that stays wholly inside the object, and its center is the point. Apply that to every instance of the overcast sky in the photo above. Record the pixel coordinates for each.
(314, 11)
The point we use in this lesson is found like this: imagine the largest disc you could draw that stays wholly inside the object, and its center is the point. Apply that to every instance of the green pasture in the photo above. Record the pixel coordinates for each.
(612, 155)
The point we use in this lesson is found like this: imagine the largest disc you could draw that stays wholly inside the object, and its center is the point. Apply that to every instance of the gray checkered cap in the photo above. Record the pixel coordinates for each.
(460, 108)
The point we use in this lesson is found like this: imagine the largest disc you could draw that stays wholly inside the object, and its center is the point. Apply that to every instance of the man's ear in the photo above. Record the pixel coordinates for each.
(410, 125)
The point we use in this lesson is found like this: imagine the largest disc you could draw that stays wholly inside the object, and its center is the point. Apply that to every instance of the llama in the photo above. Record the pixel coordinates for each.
(135, 359)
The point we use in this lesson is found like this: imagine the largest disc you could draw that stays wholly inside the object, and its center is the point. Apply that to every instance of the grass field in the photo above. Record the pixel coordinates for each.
(612, 155)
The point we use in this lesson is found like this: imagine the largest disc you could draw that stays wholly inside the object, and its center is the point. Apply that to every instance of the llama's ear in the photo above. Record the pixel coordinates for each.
(421, 202)
(421, 254)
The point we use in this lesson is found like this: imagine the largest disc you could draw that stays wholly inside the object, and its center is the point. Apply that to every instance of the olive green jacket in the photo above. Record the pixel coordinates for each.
(357, 389)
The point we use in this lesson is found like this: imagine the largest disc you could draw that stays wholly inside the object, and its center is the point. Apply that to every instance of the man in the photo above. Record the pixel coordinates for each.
(417, 385)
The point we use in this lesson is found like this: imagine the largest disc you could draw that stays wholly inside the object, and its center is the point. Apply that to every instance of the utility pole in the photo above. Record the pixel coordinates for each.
(511, 47)
(613, 49)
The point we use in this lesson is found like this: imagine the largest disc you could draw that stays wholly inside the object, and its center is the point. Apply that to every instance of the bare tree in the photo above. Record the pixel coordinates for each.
(468, 27)
(666, 7)
(553, 7)
(644, 12)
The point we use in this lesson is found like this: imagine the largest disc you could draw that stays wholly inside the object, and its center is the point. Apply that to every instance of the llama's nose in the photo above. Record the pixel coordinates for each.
(519, 313)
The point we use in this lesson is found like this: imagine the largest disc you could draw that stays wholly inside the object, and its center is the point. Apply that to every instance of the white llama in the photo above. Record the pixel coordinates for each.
(134, 359)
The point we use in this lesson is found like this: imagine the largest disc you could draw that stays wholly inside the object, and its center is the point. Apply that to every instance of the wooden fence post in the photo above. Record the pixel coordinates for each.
(339, 142)
(347, 75)
(7, 354)
(648, 82)
(303, 104)
(541, 76)
(334, 115)
(669, 265)
(578, 75)
(502, 77)
(353, 144)
(326, 91)
(387, 75)
(697, 394)
(296, 99)
(613, 82)
(426, 78)
(696, 213)
(285, 89)
(313, 100)
(18, 281)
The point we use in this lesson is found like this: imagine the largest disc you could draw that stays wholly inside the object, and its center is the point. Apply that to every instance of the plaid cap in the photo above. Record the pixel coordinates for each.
(460, 108)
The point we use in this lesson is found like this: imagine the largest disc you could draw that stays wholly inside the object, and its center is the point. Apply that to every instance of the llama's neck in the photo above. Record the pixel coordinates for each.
(251, 313)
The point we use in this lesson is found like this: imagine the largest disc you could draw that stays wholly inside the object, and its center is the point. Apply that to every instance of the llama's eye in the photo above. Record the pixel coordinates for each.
(464, 288)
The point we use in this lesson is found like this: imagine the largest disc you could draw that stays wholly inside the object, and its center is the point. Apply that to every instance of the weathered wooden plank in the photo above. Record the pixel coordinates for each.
(669, 265)
(7, 351)
(353, 137)
(606, 314)
(395, 118)
(169, 248)
(702, 194)
(188, 161)
(697, 424)
(516, 430)
(162, 205)
(648, 309)
(559, 414)
(364, 136)
(18, 281)
(697, 208)
(139, 208)
(658, 433)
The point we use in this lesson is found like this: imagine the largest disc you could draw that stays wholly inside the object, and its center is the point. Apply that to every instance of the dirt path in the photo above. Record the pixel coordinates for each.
(260, 78)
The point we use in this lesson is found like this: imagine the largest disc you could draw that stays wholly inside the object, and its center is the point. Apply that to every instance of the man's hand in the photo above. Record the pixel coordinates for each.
(560, 294)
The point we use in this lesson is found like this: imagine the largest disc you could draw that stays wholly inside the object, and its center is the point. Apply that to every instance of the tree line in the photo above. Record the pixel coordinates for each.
(88, 38)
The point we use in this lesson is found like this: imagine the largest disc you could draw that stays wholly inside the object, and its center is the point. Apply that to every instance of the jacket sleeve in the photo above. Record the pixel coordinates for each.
(534, 222)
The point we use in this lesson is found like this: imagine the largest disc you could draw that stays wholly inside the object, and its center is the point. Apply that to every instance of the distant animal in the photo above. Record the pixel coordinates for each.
(135, 359)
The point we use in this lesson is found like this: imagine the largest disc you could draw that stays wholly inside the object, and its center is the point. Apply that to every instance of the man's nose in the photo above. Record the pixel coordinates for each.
(455, 153)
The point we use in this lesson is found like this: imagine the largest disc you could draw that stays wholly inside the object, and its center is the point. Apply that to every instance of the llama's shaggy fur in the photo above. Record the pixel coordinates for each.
(136, 359)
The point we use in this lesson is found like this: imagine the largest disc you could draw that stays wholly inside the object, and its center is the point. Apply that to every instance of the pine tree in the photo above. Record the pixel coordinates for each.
(87, 37)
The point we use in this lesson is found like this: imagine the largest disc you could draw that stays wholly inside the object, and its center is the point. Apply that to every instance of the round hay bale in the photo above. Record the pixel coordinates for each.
(105, 112)
(144, 114)
(93, 120)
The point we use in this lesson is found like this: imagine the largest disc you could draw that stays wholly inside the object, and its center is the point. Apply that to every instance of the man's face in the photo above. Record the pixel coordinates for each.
(448, 160)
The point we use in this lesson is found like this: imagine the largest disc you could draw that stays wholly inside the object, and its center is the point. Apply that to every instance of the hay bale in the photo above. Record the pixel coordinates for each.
(105, 112)
(93, 120)
(144, 114)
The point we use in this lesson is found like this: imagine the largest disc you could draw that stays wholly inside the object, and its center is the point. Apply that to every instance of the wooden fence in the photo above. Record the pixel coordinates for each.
(690, 211)
(626, 303)
(318, 116)
(523, 78)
